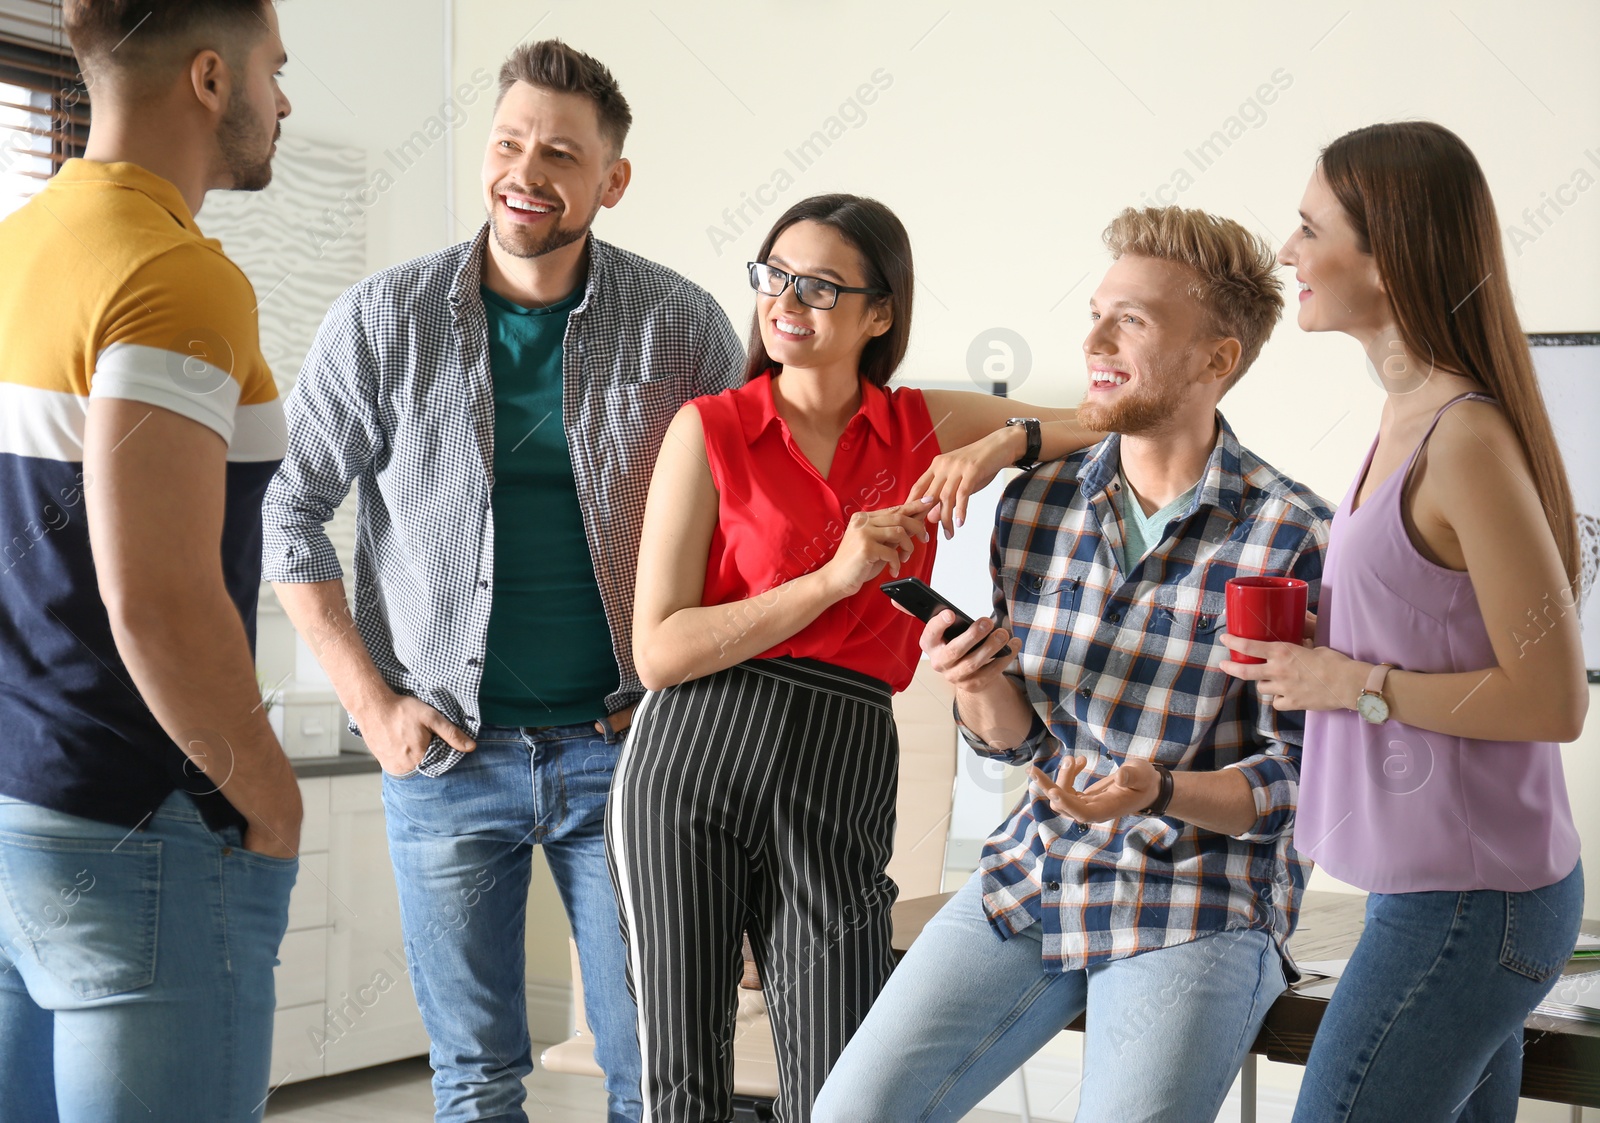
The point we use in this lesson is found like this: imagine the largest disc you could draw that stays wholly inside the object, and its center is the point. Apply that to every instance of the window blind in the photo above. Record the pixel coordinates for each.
(44, 107)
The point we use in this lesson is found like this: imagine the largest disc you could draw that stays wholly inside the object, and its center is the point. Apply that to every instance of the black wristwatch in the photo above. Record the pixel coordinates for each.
(1030, 455)
(1164, 795)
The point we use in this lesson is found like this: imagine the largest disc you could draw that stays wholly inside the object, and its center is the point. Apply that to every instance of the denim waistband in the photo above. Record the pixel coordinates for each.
(178, 807)
(489, 731)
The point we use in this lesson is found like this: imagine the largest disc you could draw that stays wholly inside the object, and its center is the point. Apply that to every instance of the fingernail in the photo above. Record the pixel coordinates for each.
(959, 520)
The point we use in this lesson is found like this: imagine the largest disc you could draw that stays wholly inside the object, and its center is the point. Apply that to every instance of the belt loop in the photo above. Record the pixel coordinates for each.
(608, 728)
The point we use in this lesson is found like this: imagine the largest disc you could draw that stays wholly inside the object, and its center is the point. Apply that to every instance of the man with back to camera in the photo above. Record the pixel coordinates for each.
(499, 405)
(149, 820)
(1148, 876)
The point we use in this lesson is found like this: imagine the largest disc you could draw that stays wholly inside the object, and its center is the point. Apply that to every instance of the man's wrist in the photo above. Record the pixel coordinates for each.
(369, 699)
(983, 702)
(1163, 797)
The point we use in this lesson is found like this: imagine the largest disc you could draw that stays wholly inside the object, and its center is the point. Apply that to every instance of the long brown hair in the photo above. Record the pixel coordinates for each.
(1421, 207)
(885, 249)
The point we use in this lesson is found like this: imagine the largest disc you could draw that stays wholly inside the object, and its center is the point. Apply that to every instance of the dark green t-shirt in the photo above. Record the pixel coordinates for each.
(549, 660)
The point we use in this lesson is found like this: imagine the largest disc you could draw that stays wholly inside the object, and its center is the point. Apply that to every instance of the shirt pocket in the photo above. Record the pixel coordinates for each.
(1044, 614)
(1185, 613)
(1180, 645)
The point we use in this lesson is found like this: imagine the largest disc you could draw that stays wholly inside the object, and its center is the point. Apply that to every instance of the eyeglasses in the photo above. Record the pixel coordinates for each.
(813, 292)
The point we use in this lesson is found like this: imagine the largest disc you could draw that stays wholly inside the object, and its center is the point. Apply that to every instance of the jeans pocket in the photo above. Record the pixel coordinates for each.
(1538, 939)
(88, 909)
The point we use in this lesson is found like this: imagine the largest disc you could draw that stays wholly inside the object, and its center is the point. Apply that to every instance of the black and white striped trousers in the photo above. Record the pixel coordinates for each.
(761, 799)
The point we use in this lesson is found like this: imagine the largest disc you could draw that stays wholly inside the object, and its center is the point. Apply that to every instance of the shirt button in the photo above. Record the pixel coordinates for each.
(1084, 692)
(1053, 886)
(474, 662)
(1114, 617)
(845, 445)
(483, 584)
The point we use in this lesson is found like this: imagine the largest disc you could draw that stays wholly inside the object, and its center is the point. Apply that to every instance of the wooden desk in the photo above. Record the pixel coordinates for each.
(1561, 1061)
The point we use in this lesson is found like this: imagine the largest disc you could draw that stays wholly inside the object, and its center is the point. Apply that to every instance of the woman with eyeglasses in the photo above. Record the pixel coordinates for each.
(757, 789)
(1447, 662)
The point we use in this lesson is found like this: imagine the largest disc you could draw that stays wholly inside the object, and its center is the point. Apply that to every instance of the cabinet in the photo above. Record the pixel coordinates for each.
(344, 998)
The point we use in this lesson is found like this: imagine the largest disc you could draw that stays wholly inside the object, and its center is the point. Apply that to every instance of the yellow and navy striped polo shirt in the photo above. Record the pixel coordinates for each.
(109, 290)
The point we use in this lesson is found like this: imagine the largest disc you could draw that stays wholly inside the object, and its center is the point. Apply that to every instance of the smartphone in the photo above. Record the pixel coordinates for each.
(915, 594)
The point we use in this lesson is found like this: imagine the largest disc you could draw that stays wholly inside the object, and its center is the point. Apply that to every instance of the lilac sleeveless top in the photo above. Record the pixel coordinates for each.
(1396, 809)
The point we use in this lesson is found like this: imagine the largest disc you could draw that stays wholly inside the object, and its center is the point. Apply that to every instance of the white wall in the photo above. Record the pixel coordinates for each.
(374, 99)
(1006, 136)
(373, 83)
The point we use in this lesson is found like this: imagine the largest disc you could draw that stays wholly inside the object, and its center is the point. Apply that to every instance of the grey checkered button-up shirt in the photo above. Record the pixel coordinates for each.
(396, 396)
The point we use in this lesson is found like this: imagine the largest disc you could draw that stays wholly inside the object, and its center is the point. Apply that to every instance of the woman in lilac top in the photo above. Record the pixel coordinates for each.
(1447, 661)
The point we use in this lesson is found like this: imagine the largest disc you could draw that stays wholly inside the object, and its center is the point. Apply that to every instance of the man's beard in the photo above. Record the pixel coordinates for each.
(536, 243)
(247, 159)
(1157, 396)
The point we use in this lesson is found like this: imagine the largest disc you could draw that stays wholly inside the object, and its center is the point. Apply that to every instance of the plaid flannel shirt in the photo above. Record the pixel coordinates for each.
(1126, 664)
(397, 397)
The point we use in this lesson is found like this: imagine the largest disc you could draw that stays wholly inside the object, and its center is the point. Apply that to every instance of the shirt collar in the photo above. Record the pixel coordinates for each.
(163, 192)
(761, 411)
(1221, 484)
(464, 288)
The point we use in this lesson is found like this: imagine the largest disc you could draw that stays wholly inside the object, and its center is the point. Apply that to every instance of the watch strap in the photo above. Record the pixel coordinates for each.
(1375, 679)
(1035, 441)
(1158, 808)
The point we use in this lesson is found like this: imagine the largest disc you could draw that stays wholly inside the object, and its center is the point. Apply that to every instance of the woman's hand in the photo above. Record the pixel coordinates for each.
(873, 540)
(1127, 791)
(1297, 677)
(954, 476)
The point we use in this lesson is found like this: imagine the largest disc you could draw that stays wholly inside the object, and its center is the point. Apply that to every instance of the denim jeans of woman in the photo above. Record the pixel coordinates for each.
(1426, 1022)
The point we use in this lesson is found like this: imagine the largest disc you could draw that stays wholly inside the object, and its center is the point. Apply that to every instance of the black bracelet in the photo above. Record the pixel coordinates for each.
(1164, 796)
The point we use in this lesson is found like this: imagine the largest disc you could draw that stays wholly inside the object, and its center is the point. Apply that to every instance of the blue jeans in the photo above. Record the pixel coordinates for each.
(462, 846)
(1426, 1023)
(135, 967)
(1167, 1029)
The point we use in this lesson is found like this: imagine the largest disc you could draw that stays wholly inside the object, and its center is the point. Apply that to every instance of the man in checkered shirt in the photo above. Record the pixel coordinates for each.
(498, 406)
(1160, 910)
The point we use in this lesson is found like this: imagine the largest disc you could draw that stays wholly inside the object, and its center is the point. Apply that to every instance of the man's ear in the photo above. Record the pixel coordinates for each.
(211, 81)
(1224, 360)
(617, 181)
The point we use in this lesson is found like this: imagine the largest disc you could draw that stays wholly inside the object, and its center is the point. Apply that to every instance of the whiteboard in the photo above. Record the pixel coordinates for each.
(1568, 366)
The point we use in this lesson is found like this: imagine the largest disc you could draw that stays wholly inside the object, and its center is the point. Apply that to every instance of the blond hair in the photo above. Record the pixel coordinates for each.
(1236, 280)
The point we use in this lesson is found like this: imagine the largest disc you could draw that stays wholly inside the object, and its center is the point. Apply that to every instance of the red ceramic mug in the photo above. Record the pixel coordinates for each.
(1266, 608)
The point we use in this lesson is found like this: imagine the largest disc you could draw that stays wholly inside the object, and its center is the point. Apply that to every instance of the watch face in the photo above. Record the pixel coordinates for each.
(1373, 708)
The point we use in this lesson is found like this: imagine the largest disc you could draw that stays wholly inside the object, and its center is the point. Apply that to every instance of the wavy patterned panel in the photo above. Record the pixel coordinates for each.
(302, 242)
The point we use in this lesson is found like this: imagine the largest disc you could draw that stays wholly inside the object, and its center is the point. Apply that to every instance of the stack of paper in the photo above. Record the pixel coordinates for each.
(1575, 996)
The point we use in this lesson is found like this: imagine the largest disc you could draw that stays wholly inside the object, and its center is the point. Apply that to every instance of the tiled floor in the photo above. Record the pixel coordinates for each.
(400, 1093)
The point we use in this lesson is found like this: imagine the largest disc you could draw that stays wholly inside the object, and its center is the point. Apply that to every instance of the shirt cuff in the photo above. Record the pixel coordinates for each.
(1025, 753)
(1275, 786)
(299, 561)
